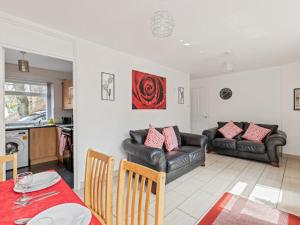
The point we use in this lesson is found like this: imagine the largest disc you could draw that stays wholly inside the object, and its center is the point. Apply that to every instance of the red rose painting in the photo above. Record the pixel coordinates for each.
(148, 91)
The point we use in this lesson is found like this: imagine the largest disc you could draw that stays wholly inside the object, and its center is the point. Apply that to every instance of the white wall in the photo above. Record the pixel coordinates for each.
(99, 124)
(262, 96)
(48, 76)
(104, 125)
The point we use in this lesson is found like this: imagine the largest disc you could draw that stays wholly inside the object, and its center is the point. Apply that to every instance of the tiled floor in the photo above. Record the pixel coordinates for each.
(188, 198)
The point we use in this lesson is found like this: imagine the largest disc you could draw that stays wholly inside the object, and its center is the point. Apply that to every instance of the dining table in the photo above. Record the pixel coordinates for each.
(9, 212)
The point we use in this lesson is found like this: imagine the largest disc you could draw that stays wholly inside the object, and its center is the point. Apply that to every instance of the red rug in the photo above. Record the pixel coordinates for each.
(236, 210)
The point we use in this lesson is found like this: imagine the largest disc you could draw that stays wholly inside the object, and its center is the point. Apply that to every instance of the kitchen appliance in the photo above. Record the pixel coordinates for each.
(66, 120)
(17, 142)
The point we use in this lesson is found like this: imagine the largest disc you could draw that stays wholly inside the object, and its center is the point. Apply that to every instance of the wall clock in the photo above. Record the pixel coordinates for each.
(225, 93)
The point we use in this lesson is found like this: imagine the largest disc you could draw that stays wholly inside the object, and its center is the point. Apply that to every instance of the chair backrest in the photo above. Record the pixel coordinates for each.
(5, 159)
(137, 192)
(98, 188)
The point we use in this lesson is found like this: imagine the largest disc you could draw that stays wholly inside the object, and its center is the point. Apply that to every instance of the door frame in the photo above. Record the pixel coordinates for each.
(75, 122)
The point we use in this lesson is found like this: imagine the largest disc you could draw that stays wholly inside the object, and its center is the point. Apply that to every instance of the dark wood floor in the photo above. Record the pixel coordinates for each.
(57, 166)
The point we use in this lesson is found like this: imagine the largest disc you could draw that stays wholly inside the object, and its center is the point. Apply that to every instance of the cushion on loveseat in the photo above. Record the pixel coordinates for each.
(177, 159)
(224, 143)
(222, 124)
(250, 146)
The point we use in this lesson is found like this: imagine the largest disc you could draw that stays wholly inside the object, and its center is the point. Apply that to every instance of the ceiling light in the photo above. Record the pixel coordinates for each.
(187, 44)
(23, 64)
(162, 24)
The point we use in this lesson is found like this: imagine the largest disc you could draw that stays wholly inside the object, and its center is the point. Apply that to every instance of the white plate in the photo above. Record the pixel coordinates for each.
(64, 214)
(41, 181)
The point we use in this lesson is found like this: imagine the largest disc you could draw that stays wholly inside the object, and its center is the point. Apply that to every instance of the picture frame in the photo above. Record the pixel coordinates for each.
(107, 86)
(297, 99)
(180, 95)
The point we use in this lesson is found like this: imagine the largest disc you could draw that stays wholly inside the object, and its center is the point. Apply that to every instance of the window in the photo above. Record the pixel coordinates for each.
(26, 103)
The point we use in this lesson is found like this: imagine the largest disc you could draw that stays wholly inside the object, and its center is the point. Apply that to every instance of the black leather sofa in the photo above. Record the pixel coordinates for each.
(265, 151)
(189, 155)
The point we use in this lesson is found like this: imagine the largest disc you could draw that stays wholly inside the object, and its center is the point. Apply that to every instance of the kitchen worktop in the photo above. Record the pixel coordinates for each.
(26, 127)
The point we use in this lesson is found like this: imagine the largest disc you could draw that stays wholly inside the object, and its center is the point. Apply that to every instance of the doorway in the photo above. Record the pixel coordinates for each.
(199, 110)
(38, 113)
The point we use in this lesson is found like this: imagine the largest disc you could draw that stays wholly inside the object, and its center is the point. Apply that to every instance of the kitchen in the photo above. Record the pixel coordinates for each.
(39, 113)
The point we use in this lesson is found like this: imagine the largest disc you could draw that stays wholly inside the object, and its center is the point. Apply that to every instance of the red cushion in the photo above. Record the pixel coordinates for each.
(154, 138)
(255, 133)
(170, 138)
(230, 130)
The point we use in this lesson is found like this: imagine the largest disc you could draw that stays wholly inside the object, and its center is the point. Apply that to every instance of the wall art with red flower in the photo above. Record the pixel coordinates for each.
(148, 91)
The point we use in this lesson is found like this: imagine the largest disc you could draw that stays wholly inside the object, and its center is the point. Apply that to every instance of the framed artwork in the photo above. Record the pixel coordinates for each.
(297, 99)
(107, 86)
(180, 95)
(148, 91)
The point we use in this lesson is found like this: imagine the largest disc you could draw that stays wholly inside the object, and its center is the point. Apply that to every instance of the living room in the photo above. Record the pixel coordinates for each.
(250, 49)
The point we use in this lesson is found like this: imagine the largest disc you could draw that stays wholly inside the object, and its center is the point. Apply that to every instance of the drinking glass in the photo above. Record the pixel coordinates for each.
(24, 180)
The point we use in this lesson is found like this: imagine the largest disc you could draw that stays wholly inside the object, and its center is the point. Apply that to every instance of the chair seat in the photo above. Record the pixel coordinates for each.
(195, 153)
(177, 159)
(251, 146)
(224, 143)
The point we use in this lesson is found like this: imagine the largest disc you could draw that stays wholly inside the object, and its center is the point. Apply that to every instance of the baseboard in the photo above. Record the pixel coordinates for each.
(291, 156)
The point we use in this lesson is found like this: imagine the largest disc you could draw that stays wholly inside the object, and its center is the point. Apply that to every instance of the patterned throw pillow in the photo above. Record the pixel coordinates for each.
(170, 138)
(230, 130)
(154, 138)
(256, 133)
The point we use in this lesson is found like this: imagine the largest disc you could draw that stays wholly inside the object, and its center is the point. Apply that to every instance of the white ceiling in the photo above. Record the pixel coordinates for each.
(259, 33)
(39, 61)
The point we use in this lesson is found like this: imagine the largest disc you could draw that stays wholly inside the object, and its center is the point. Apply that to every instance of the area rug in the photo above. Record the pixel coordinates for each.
(236, 210)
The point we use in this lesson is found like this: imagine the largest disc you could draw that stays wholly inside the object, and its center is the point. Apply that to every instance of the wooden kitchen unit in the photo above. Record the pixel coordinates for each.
(43, 145)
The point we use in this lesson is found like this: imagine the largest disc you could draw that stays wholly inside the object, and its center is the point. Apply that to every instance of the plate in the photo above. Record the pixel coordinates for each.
(40, 181)
(64, 214)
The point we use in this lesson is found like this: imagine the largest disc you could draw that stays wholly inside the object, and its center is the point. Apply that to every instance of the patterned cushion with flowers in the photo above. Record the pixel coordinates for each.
(255, 133)
(154, 138)
(171, 141)
(230, 130)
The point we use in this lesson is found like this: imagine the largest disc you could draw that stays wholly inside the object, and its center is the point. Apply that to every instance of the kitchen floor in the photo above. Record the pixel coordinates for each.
(57, 166)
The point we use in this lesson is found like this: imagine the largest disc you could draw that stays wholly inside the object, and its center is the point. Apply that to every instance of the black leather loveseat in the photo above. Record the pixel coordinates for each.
(189, 155)
(265, 151)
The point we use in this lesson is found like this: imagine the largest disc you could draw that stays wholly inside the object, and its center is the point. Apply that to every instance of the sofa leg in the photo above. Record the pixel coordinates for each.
(208, 151)
(202, 164)
(275, 164)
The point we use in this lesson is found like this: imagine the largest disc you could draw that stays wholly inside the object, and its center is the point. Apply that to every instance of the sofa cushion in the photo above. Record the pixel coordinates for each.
(230, 130)
(138, 136)
(177, 159)
(255, 133)
(224, 143)
(195, 153)
(250, 146)
(272, 127)
(222, 124)
(170, 138)
(154, 138)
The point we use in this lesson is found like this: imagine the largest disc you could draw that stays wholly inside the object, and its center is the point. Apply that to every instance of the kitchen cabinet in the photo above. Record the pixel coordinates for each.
(67, 94)
(43, 145)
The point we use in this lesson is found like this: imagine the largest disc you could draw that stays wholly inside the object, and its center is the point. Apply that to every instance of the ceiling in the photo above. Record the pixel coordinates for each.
(39, 61)
(257, 33)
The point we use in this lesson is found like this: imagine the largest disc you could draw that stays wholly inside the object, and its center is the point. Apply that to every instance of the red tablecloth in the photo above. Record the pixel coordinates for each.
(7, 196)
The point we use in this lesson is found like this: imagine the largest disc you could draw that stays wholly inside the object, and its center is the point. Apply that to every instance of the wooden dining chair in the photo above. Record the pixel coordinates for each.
(98, 187)
(6, 159)
(137, 192)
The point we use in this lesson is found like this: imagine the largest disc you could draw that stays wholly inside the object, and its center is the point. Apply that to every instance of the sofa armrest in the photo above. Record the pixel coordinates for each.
(210, 133)
(193, 139)
(152, 156)
(272, 142)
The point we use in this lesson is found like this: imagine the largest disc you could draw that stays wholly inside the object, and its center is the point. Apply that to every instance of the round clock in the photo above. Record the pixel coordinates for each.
(225, 93)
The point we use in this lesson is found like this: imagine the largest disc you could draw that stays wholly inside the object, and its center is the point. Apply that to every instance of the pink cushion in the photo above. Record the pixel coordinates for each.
(255, 133)
(230, 130)
(170, 138)
(154, 138)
